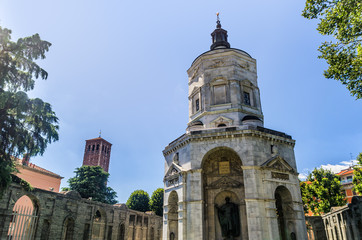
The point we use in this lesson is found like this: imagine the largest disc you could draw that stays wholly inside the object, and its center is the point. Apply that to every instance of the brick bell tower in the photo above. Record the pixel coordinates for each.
(97, 152)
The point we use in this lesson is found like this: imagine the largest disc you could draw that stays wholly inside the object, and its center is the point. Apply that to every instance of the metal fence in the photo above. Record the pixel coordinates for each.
(23, 223)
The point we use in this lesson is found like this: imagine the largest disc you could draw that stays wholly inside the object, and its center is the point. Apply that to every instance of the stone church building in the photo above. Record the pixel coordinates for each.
(228, 177)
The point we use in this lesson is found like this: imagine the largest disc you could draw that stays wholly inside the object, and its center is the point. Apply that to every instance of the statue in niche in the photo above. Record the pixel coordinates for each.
(172, 236)
(293, 236)
(228, 215)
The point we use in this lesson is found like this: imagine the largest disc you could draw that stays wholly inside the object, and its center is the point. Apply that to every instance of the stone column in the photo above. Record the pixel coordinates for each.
(194, 205)
(180, 221)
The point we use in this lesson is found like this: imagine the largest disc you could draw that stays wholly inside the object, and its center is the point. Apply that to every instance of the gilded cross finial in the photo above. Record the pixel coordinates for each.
(218, 25)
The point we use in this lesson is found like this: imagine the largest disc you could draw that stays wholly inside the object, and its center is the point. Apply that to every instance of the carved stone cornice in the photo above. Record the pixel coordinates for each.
(242, 109)
(225, 133)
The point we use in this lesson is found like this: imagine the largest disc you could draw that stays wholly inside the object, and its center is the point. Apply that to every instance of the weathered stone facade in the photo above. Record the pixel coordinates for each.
(66, 216)
(315, 228)
(227, 155)
(345, 223)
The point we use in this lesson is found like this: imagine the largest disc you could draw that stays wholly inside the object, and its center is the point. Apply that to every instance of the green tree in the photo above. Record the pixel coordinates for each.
(321, 191)
(341, 19)
(139, 200)
(357, 178)
(156, 202)
(90, 182)
(27, 125)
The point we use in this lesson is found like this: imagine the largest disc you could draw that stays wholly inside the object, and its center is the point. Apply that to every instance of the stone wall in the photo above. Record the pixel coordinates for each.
(315, 228)
(345, 223)
(66, 216)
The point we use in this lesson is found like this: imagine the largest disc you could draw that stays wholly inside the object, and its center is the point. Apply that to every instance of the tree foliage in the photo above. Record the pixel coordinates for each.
(321, 191)
(357, 178)
(27, 125)
(341, 19)
(139, 200)
(156, 202)
(90, 182)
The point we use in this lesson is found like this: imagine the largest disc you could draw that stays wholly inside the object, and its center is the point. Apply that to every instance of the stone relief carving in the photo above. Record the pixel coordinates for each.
(245, 66)
(279, 166)
(216, 63)
(224, 182)
(278, 163)
(173, 175)
(220, 120)
(282, 176)
(172, 208)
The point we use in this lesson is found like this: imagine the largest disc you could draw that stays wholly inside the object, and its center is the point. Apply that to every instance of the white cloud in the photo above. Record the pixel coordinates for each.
(339, 167)
(335, 168)
(302, 176)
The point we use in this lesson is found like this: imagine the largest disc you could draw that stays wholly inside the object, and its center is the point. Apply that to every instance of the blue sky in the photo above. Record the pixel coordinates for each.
(120, 66)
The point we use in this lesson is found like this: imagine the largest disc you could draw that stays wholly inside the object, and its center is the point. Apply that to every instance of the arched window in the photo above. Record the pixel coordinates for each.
(249, 94)
(99, 225)
(68, 229)
(121, 232)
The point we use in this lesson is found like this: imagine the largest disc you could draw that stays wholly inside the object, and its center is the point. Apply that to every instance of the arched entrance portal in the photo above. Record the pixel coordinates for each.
(285, 213)
(24, 219)
(173, 216)
(223, 195)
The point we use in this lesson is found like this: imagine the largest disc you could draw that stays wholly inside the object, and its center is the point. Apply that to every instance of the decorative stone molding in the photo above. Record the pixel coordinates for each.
(224, 182)
(216, 63)
(173, 175)
(279, 164)
(223, 134)
(221, 120)
(282, 176)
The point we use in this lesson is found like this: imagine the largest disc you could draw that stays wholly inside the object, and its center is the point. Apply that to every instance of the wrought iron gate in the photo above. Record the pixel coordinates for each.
(23, 223)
